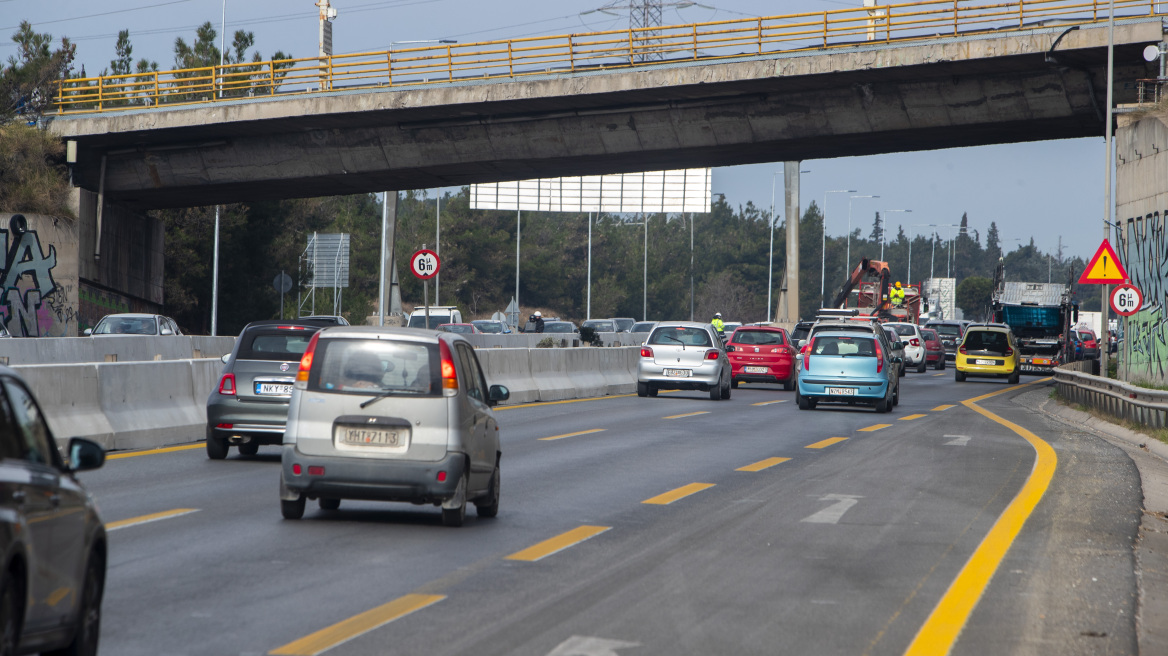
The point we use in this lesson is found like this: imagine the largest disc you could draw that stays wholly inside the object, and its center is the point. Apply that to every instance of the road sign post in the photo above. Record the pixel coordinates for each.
(425, 265)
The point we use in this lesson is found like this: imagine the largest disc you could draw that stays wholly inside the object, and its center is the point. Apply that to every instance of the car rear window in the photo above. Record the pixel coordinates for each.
(905, 331)
(929, 335)
(602, 326)
(948, 330)
(559, 327)
(985, 340)
(126, 326)
(836, 345)
(374, 366)
(680, 335)
(419, 320)
(285, 345)
(760, 337)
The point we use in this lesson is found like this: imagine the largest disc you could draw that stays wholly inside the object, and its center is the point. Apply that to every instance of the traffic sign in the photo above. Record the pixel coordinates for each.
(1126, 300)
(425, 264)
(1104, 268)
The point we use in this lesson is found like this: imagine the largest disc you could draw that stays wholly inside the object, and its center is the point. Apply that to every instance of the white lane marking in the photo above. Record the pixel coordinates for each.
(960, 440)
(590, 646)
(833, 513)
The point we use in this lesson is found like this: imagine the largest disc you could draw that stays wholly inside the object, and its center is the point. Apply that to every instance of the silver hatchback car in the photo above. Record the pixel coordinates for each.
(683, 355)
(391, 414)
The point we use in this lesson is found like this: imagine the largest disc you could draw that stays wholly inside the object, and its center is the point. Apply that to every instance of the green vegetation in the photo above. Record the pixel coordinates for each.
(33, 178)
(27, 81)
(546, 342)
(1160, 434)
(974, 296)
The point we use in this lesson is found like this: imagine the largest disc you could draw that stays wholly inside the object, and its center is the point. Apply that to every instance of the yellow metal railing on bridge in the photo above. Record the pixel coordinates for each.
(594, 51)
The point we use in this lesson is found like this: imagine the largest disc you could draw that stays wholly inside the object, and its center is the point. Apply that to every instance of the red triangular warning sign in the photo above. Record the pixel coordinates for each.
(1104, 269)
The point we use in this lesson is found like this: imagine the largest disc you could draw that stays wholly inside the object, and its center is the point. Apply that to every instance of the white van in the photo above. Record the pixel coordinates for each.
(439, 314)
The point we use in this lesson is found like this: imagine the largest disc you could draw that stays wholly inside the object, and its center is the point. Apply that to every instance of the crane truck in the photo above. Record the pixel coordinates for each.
(872, 296)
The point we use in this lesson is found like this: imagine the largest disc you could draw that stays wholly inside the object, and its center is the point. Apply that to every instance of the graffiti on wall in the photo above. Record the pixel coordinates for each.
(35, 295)
(1144, 250)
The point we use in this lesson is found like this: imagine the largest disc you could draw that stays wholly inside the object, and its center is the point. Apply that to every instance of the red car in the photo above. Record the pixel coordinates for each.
(1090, 344)
(934, 349)
(761, 354)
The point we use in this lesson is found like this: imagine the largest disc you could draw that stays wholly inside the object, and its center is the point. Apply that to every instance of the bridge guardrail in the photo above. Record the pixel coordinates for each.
(575, 53)
(1144, 406)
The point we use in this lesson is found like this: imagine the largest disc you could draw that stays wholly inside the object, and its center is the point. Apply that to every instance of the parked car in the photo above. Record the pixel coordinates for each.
(988, 350)
(492, 327)
(391, 414)
(848, 367)
(761, 355)
(645, 327)
(683, 355)
(464, 328)
(249, 407)
(134, 324)
(914, 344)
(950, 333)
(897, 348)
(600, 325)
(624, 324)
(53, 548)
(1090, 344)
(934, 349)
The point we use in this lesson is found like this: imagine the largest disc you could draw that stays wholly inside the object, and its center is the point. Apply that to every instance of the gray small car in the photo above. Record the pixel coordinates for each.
(683, 355)
(392, 414)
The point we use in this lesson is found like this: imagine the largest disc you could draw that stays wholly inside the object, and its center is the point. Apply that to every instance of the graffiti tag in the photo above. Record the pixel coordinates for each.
(26, 279)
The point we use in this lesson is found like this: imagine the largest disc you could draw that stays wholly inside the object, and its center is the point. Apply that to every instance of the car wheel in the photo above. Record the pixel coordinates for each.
(329, 504)
(883, 405)
(249, 448)
(642, 390)
(652, 391)
(89, 617)
(726, 390)
(716, 392)
(11, 611)
(959, 376)
(903, 370)
(488, 506)
(941, 365)
(455, 516)
(896, 396)
(217, 447)
(293, 509)
(733, 383)
(1014, 378)
(788, 385)
(922, 366)
(803, 402)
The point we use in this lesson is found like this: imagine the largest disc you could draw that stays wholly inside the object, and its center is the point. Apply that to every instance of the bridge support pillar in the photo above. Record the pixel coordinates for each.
(789, 300)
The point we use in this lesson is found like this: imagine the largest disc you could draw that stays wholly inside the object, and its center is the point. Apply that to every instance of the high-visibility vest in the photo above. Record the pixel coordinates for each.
(896, 296)
(718, 324)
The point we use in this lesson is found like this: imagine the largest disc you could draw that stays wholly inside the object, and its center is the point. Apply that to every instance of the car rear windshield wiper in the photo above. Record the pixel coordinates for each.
(668, 336)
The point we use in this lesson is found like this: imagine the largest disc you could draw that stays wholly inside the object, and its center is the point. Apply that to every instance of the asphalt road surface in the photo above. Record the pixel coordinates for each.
(668, 525)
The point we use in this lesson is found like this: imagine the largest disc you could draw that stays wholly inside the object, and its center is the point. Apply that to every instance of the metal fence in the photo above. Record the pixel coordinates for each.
(1143, 406)
(593, 51)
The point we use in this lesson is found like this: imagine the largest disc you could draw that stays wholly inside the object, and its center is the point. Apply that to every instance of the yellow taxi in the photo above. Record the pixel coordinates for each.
(988, 350)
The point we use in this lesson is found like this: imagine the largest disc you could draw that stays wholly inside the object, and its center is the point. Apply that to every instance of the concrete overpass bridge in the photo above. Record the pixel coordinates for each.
(919, 76)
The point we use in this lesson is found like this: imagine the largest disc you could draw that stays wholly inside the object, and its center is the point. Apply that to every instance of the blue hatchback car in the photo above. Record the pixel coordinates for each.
(847, 367)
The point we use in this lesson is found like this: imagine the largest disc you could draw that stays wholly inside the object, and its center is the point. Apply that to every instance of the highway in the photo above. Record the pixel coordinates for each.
(669, 525)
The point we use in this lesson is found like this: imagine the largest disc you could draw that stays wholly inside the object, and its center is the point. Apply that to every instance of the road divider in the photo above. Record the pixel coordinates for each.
(558, 543)
(112, 348)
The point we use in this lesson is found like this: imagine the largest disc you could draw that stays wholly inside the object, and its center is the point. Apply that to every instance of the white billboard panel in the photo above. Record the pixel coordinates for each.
(686, 190)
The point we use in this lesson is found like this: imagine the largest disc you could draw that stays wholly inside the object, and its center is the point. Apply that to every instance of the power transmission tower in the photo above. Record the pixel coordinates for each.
(645, 18)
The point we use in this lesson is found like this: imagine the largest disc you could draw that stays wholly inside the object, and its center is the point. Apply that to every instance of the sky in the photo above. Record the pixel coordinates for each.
(1042, 189)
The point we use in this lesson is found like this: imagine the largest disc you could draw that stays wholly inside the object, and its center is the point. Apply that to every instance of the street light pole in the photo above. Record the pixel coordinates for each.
(771, 256)
(215, 264)
(884, 230)
(848, 257)
(823, 246)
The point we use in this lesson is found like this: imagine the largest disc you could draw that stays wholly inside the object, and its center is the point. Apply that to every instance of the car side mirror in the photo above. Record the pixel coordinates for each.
(225, 358)
(897, 345)
(88, 332)
(85, 454)
(897, 361)
(729, 348)
(497, 393)
(798, 356)
(802, 343)
(167, 331)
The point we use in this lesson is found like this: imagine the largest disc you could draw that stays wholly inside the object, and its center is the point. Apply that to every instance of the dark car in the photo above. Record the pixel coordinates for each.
(559, 327)
(250, 405)
(492, 327)
(950, 333)
(801, 331)
(52, 539)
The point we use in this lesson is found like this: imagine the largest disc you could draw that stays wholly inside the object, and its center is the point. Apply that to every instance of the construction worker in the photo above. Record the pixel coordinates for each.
(896, 295)
(718, 324)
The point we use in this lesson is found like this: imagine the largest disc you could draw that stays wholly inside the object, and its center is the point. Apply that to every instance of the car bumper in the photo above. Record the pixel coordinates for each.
(372, 479)
(780, 372)
(914, 355)
(969, 369)
(703, 376)
(262, 422)
(935, 356)
(867, 390)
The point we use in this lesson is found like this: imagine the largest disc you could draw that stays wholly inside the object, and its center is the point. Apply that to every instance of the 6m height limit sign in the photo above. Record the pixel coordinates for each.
(425, 265)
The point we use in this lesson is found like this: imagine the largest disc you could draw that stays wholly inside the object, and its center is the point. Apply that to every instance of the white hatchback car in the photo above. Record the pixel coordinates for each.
(391, 414)
(683, 355)
(915, 352)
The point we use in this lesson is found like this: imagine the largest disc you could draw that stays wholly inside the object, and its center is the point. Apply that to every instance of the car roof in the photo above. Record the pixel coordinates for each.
(380, 332)
(997, 327)
(131, 315)
(840, 333)
(770, 329)
(308, 323)
(682, 324)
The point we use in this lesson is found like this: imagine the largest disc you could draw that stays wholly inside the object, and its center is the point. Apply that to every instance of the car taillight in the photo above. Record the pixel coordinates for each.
(807, 354)
(227, 385)
(449, 374)
(1008, 352)
(915, 342)
(879, 357)
(961, 350)
(291, 328)
(306, 361)
(712, 354)
(646, 352)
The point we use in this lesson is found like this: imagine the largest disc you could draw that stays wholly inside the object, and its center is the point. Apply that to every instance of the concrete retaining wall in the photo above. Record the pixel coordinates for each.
(112, 348)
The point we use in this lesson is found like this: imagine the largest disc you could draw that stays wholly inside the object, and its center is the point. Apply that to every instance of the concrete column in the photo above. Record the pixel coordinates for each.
(390, 293)
(789, 310)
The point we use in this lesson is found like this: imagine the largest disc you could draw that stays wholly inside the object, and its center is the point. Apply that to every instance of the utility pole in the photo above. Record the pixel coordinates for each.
(325, 41)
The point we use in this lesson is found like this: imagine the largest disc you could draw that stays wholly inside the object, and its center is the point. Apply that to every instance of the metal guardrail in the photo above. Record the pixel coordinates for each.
(1138, 404)
(575, 53)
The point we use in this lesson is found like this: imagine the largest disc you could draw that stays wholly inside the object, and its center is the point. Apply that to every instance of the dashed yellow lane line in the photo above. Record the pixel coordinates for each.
(770, 402)
(688, 414)
(346, 630)
(150, 452)
(940, 631)
(763, 464)
(935, 375)
(826, 443)
(679, 493)
(874, 427)
(912, 417)
(942, 408)
(584, 432)
(145, 519)
(558, 543)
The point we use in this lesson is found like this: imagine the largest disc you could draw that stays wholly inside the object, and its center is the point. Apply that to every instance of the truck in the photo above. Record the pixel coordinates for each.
(439, 314)
(872, 294)
(1041, 315)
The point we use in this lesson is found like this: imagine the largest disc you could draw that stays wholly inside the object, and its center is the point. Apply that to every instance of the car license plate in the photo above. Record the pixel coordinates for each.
(371, 437)
(985, 362)
(755, 370)
(841, 391)
(273, 389)
(678, 373)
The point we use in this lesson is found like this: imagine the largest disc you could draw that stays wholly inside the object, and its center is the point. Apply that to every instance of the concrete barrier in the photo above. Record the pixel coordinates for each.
(111, 348)
(512, 369)
(69, 395)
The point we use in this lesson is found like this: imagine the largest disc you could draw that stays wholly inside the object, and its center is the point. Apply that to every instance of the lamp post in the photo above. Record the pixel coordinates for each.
(925, 225)
(215, 264)
(884, 230)
(823, 246)
(848, 257)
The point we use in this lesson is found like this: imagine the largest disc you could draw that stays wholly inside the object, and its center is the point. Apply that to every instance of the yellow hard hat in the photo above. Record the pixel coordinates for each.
(898, 284)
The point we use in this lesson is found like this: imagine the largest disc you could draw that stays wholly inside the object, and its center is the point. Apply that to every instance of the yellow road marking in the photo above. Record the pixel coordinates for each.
(679, 493)
(346, 630)
(940, 631)
(558, 543)
(763, 464)
(145, 519)
(585, 432)
(688, 414)
(911, 417)
(942, 408)
(874, 427)
(770, 402)
(150, 452)
(935, 375)
(826, 443)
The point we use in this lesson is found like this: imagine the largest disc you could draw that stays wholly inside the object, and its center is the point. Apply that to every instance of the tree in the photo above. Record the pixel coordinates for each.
(993, 246)
(28, 82)
(974, 295)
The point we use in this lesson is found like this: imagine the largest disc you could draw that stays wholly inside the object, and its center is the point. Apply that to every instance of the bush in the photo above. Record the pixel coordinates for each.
(546, 342)
(589, 336)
